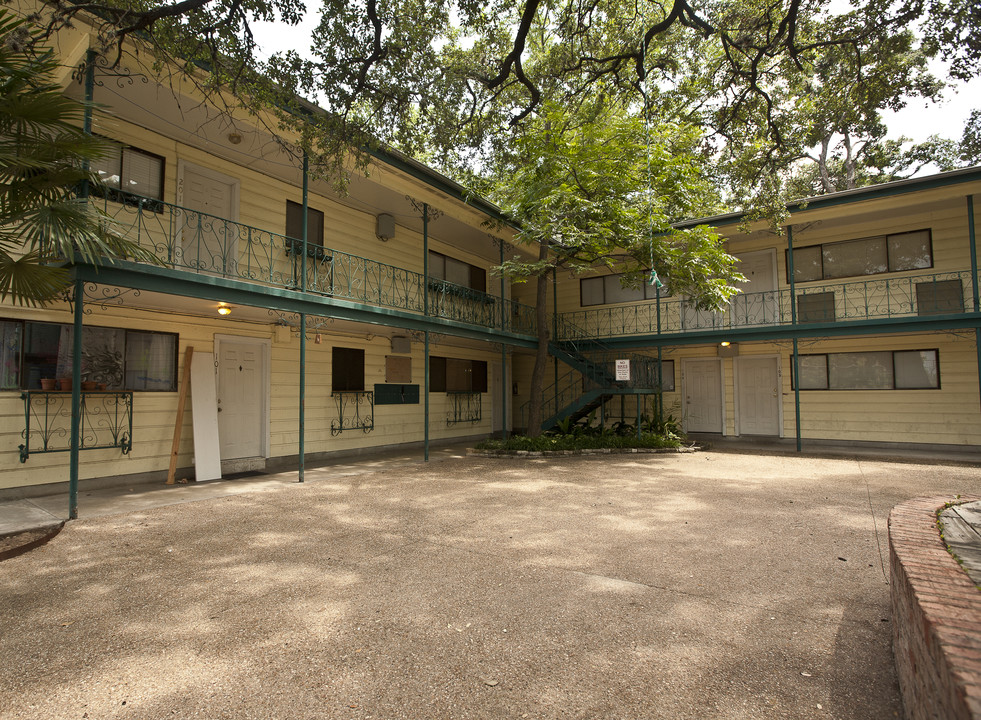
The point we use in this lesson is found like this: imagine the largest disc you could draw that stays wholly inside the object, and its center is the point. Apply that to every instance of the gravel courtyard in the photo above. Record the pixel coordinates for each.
(710, 585)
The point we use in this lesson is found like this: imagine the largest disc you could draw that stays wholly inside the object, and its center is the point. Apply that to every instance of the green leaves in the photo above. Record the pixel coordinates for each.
(43, 156)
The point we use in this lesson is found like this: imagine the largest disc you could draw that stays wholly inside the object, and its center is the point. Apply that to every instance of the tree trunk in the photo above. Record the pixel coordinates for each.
(541, 354)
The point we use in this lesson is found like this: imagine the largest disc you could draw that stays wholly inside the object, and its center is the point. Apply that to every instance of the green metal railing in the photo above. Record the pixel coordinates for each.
(106, 421)
(189, 240)
(465, 406)
(908, 296)
(355, 411)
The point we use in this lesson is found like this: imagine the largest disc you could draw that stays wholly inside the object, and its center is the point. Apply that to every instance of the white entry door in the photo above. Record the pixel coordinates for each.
(756, 303)
(209, 236)
(241, 398)
(758, 395)
(703, 395)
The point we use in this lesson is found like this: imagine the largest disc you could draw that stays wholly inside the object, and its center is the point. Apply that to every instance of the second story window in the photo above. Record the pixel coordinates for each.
(865, 256)
(443, 267)
(607, 290)
(128, 171)
(294, 223)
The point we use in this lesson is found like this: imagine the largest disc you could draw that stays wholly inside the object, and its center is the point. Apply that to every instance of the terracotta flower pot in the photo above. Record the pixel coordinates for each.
(64, 383)
(101, 386)
(48, 383)
(89, 385)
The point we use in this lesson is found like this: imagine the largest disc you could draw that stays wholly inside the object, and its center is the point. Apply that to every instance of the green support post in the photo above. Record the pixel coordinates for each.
(76, 402)
(303, 387)
(303, 321)
(425, 287)
(660, 378)
(504, 391)
(504, 355)
(793, 321)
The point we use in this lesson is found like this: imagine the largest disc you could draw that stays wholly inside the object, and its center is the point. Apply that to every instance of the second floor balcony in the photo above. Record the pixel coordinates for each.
(205, 244)
(917, 296)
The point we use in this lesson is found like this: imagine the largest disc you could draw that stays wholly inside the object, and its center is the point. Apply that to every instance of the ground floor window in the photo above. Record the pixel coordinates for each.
(117, 358)
(347, 369)
(457, 375)
(872, 370)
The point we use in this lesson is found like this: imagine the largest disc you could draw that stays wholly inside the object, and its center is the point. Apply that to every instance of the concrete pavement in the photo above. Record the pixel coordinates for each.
(692, 586)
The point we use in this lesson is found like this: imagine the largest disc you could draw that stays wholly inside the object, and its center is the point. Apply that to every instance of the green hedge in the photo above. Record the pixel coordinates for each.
(579, 442)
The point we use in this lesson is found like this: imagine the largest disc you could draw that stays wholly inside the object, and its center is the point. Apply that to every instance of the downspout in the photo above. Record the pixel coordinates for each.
(793, 321)
(303, 318)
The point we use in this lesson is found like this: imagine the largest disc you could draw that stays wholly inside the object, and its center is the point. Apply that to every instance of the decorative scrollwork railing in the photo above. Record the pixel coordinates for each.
(106, 421)
(465, 406)
(197, 242)
(907, 296)
(355, 411)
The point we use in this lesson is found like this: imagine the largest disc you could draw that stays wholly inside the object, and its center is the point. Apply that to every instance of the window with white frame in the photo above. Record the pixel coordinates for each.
(897, 252)
(870, 370)
(609, 289)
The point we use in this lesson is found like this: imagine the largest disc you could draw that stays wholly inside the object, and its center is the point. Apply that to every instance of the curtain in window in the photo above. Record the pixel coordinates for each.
(150, 359)
(10, 355)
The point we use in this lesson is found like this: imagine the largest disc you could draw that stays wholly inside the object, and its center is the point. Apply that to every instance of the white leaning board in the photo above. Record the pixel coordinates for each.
(204, 411)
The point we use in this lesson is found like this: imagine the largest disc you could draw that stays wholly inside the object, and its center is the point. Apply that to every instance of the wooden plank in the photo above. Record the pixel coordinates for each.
(956, 530)
(181, 401)
(204, 414)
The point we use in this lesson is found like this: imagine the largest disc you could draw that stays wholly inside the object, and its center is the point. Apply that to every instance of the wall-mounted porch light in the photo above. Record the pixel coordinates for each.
(728, 349)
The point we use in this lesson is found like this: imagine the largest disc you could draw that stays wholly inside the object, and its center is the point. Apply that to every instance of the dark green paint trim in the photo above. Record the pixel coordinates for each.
(811, 330)
(847, 197)
(175, 282)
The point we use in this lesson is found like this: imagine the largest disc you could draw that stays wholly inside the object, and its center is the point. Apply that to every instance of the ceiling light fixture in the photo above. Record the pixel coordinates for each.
(224, 309)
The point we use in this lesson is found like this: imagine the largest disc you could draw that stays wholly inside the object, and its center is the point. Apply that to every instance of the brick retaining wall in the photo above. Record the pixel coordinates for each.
(936, 612)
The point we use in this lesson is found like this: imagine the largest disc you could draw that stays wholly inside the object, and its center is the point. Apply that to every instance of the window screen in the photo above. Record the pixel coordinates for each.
(294, 223)
(860, 371)
(916, 369)
(807, 264)
(855, 257)
(813, 372)
(910, 251)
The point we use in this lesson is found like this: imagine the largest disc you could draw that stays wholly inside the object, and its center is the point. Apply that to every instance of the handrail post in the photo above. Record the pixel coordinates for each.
(76, 402)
